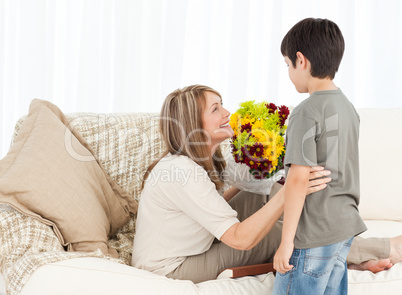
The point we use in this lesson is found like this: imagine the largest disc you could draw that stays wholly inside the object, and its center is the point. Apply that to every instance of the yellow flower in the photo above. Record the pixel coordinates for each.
(247, 120)
(235, 123)
(258, 124)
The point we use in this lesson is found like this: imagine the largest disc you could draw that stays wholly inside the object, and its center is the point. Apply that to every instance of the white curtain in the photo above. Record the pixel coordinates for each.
(127, 55)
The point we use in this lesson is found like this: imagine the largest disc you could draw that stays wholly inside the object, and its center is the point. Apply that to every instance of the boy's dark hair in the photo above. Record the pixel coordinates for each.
(320, 41)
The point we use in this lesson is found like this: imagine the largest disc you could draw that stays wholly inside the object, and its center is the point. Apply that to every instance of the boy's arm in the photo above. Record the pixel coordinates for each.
(295, 188)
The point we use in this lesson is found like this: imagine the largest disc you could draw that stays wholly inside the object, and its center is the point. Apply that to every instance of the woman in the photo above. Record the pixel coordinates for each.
(187, 228)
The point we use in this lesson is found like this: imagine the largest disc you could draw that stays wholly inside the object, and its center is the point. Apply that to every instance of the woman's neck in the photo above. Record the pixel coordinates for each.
(213, 148)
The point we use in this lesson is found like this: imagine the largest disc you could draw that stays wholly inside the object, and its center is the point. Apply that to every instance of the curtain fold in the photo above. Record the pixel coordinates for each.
(127, 55)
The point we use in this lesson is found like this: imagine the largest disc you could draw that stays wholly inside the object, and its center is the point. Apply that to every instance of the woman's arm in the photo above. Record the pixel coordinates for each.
(230, 193)
(250, 232)
(245, 235)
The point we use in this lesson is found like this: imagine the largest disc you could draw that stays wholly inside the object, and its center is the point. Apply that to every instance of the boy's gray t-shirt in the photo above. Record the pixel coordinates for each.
(324, 130)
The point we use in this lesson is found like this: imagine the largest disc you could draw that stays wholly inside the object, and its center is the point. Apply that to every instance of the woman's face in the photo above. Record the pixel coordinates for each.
(215, 120)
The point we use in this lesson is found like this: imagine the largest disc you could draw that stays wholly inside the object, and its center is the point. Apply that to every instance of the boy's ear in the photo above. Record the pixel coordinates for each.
(301, 60)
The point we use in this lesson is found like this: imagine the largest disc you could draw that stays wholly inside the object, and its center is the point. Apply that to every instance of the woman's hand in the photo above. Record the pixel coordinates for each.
(318, 180)
(315, 184)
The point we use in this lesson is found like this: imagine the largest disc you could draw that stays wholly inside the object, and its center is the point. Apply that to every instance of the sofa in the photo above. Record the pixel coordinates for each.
(33, 250)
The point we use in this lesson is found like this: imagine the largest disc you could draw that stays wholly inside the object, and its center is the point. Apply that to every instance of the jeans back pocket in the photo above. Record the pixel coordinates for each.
(319, 261)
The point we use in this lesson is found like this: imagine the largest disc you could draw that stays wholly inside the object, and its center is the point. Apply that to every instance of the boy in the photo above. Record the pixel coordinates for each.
(323, 130)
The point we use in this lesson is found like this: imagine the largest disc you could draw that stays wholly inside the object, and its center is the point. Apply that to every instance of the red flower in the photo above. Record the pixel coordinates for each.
(283, 114)
(258, 149)
(247, 151)
(271, 108)
(250, 162)
(242, 155)
(237, 158)
(245, 127)
(266, 166)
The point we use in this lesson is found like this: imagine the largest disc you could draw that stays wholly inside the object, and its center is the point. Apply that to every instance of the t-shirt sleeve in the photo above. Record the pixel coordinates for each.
(301, 148)
(199, 199)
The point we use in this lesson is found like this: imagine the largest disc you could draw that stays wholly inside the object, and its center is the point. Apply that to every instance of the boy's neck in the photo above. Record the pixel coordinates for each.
(317, 84)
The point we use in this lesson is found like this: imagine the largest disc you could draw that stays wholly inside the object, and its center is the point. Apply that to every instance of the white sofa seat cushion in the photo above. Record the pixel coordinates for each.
(99, 276)
(387, 282)
(366, 283)
(92, 276)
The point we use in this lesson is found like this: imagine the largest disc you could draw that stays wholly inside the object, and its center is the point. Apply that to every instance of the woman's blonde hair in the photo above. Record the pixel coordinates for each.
(182, 130)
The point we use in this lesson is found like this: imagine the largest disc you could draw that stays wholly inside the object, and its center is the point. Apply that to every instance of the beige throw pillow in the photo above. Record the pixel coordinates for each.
(50, 173)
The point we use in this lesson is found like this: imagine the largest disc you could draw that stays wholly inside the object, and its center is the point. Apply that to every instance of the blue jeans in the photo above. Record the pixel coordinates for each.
(316, 271)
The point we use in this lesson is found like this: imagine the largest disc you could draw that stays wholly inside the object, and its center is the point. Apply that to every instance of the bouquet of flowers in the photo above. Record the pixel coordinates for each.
(258, 146)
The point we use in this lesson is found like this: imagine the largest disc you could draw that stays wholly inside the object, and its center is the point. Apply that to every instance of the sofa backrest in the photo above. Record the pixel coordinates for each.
(380, 147)
(127, 143)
